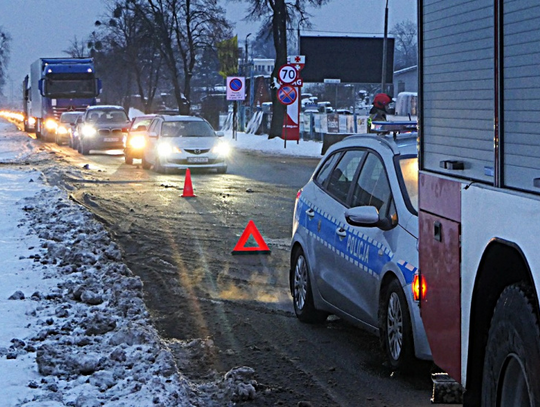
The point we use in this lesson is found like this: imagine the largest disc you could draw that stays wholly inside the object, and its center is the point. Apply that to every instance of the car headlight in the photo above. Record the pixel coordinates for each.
(88, 131)
(222, 149)
(31, 121)
(164, 149)
(62, 130)
(50, 124)
(137, 142)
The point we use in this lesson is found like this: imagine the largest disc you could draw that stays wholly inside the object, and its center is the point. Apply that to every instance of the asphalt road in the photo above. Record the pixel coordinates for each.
(236, 308)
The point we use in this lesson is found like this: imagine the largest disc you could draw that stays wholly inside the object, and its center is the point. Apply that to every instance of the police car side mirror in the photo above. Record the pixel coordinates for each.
(366, 216)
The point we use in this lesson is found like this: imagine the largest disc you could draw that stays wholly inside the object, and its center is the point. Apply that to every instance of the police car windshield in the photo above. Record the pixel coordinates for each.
(409, 170)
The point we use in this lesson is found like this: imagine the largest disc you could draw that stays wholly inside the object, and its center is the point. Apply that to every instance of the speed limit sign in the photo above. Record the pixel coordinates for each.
(288, 74)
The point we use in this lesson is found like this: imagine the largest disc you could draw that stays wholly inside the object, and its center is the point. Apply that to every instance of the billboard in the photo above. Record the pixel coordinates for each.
(351, 59)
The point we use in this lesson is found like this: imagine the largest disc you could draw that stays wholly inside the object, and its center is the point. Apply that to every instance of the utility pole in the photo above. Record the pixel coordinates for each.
(385, 48)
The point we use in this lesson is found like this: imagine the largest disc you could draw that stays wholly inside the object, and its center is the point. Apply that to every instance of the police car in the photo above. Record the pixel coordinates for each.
(354, 247)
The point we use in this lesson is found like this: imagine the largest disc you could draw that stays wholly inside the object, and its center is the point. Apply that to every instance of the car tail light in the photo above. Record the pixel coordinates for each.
(419, 287)
(298, 194)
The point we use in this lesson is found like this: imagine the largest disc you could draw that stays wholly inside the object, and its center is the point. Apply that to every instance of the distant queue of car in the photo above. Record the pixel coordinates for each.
(161, 141)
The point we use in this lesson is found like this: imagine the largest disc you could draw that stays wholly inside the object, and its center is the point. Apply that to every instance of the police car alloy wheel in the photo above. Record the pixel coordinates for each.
(395, 327)
(301, 292)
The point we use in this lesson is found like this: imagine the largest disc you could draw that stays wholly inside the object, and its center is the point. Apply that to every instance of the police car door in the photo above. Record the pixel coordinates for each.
(333, 286)
(361, 252)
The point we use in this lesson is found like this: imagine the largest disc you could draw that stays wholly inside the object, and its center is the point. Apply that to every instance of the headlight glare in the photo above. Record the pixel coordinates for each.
(62, 130)
(88, 131)
(137, 142)
(222, 148)
(50, 124)
(164, 149)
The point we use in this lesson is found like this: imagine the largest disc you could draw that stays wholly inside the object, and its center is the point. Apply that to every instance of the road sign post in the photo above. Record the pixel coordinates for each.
(235, 92)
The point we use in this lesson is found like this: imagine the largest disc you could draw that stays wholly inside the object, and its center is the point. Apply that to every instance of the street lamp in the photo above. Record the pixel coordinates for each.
(385, 47)
(246, 56)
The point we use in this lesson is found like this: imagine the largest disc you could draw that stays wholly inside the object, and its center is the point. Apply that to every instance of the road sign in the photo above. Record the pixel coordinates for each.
(235, 88)
(298, 61)
(334, 81)
(288, 74)
(287, 94)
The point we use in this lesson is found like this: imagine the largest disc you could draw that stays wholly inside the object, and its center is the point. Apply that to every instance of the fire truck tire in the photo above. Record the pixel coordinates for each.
(395, 327)
(512, 362)
(302, 292)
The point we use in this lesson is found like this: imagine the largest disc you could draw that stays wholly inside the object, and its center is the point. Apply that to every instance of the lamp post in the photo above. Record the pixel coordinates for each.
(385, 47)
(246, 112)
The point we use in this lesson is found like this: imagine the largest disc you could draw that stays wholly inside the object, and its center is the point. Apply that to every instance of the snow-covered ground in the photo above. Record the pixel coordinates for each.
(74, 327)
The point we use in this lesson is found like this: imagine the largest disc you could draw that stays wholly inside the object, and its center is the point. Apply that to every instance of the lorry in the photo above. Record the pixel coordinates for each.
(54, 86)
(479, 195)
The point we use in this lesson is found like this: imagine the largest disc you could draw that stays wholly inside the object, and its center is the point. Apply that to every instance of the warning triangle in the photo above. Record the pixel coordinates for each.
(251, 230)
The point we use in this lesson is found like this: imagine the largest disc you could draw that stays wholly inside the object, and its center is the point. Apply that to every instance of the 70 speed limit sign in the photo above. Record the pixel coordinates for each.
(288, 74)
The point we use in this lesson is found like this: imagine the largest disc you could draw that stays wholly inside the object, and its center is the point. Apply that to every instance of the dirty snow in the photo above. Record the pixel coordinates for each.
(75, 330)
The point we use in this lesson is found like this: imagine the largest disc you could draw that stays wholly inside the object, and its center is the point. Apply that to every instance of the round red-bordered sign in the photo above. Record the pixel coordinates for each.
(287, 95)
(288, 74)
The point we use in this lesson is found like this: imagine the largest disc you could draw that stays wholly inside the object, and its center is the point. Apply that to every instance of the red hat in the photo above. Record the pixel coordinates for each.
(381, 100)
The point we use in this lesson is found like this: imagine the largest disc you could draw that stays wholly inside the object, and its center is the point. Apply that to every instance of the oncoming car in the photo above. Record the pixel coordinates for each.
(181, 142)
(102, 127)
(136, 138)
(354, 246)
(65, 127)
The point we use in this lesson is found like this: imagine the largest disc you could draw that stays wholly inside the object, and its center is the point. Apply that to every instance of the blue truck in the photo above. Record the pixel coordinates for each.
(55, 86)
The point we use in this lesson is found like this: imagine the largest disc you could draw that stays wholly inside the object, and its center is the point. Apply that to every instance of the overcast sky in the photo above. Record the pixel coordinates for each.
(45, 28)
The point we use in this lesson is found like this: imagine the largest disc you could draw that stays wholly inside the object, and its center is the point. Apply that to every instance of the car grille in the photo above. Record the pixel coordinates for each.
(185, 162)
(197, 151)
(110, 132)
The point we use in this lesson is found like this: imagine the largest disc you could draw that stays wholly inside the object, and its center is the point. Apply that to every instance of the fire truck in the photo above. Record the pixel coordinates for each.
(479, 195)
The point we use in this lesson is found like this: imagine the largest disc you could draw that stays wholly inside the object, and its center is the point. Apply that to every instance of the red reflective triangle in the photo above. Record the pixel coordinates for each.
(251, 230)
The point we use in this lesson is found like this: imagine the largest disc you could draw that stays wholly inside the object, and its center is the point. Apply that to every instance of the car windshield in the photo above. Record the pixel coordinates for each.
(187, 129)
(69, 117)
(108, 116)
(409, 170)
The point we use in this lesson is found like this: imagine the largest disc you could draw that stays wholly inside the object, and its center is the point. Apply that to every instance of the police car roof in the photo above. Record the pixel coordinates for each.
(401, 144)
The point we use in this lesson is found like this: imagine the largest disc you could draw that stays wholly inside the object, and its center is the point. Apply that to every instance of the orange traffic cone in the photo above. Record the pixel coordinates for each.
(188, 188)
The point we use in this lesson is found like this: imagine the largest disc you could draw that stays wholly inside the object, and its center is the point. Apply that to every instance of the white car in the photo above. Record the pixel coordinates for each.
(354, 247)
(182, 142)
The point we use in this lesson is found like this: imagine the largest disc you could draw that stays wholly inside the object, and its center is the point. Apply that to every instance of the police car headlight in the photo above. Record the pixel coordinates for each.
(50, 124)
(222, 149)
(88, 131)
(137, 142)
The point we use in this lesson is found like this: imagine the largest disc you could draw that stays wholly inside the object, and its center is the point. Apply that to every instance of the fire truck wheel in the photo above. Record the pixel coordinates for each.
(512, 362)
(395, 327)
(301, 291)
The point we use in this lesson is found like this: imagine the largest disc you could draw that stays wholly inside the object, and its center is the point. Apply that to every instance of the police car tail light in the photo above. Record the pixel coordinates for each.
(419, 287)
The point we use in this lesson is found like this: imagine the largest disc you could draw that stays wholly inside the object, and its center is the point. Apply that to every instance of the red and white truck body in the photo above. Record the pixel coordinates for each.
(479, 194)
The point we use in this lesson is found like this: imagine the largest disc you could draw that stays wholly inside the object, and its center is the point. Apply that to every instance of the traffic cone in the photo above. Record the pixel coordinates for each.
(188, 188)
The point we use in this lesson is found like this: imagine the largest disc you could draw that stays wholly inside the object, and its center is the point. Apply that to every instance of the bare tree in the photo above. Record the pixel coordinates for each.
(182, 29)
(77, 49)
(406, 44)
(277, 16)
(128, 40)
(5, 40)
